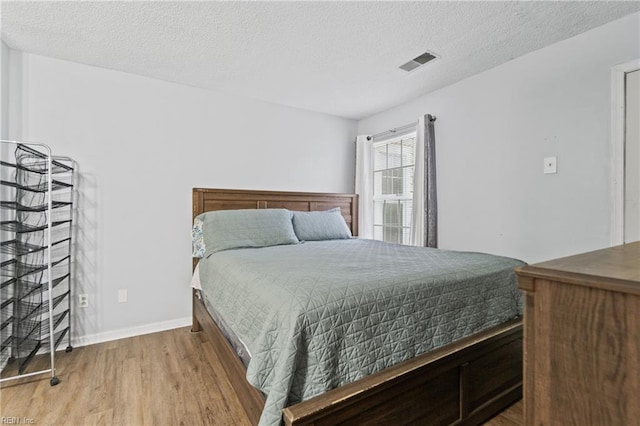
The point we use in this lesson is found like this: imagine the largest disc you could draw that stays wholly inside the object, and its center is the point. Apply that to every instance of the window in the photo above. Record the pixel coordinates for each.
(393, 168)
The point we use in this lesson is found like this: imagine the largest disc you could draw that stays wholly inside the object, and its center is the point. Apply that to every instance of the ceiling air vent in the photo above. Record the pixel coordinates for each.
(418, 61)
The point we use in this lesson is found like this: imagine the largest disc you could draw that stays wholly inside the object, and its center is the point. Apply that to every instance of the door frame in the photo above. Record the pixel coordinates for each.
(618, 95)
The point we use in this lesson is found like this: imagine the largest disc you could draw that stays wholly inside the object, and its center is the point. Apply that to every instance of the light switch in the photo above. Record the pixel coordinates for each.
(550, 165)
(122, 296)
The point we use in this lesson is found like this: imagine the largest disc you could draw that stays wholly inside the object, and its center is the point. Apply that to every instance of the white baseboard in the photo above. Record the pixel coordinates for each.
(108, 336)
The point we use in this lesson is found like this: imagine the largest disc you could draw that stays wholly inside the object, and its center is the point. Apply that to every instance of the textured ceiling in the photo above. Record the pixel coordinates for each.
(339, 58)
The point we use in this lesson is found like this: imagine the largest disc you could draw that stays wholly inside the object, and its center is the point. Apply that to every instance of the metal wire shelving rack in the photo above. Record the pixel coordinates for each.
(36, 226)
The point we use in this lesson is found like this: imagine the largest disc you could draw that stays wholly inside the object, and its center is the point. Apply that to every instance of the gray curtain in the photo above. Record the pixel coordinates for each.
(430, 187)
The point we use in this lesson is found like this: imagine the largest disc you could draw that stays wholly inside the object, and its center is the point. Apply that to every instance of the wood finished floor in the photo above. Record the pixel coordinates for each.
(167, 378)
(512, 416)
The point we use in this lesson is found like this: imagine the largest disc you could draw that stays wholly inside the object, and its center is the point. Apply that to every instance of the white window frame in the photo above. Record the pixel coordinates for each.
(390, 197)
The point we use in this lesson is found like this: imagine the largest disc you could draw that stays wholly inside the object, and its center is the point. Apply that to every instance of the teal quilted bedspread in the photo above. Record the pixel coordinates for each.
(318, 315)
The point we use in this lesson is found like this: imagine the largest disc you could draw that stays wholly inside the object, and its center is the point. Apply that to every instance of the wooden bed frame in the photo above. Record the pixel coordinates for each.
(466, 382)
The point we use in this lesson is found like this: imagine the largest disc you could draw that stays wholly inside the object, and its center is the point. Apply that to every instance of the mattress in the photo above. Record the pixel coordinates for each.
(318, 315)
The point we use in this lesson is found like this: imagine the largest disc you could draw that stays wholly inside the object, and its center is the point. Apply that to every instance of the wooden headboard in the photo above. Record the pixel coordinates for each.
(209, 199)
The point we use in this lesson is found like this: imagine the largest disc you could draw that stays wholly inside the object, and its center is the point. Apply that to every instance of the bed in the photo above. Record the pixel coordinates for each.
(464, 381)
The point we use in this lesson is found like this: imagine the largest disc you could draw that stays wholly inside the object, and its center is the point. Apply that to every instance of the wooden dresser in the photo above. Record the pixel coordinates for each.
(582, 339)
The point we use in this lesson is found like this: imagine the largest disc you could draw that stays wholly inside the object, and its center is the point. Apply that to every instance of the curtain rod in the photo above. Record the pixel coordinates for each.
(397, 129)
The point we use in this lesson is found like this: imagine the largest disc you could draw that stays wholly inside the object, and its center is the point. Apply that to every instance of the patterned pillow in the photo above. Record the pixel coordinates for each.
(198, 247)
(323, 225)
(231, 229)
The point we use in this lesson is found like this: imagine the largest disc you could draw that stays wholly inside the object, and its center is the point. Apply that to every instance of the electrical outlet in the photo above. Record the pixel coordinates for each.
(550, 165)
(83, 300)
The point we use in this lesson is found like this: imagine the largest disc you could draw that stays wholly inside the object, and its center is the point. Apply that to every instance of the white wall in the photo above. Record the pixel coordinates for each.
(493, 131)
(4, 135)
(4, 91)
(4, 152)
(141, 145)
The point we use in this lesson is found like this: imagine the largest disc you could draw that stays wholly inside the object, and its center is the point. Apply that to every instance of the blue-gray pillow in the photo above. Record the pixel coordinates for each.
(322, 225)
(231, 229)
